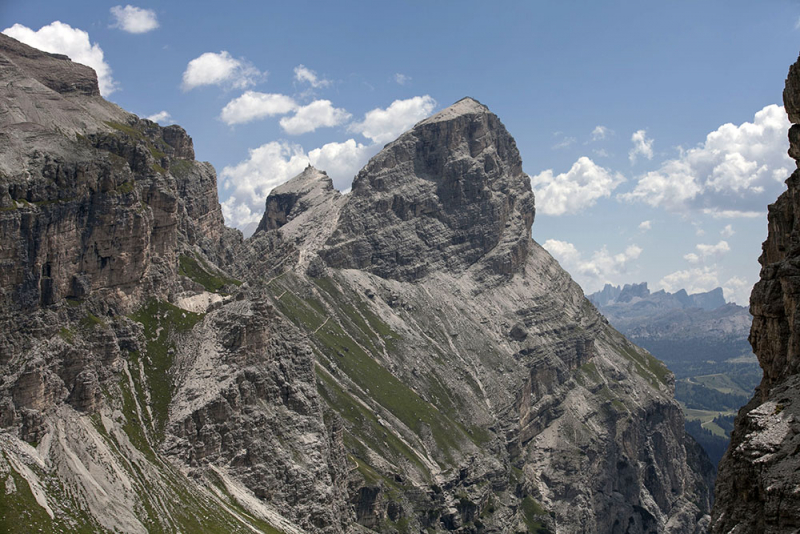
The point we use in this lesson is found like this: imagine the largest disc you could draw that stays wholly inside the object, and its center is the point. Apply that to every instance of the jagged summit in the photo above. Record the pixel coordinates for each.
(310, 178)
(444, 195)
(55, 71)
(465, 106)
(295, 196)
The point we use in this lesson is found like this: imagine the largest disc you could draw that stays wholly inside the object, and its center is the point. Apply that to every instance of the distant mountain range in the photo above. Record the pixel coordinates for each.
(702, 339)
(695, 331)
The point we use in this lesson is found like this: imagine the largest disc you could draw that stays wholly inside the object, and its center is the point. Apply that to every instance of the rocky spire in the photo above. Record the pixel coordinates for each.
(447, 194)
(290, 199)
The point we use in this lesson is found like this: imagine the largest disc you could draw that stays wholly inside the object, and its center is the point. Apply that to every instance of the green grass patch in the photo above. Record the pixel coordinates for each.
(180, 168)
(387, 390)
(364, 425)
(646, 365)
(201, 272)
(257, 522)
(20, 512)
(20, 509)
(126, 129)
(300, 312)
(134, 426)
(125, 187)
(590, 370)
(162, 322)
(156, 153)
(67, 335)
(360, 315)
(92, 321)
(531, 510)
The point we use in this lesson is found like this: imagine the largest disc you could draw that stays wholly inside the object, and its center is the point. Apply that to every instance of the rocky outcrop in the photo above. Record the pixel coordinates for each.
(89, 204)
(443, 196)
(757, 487)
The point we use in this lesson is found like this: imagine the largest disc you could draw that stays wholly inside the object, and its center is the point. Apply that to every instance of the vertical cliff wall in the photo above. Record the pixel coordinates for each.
(758, 485)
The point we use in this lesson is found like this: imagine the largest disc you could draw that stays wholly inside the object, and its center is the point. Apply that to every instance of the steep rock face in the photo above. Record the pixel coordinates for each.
(757, 487)
(401, 358)
(444, 195)
(446, 374)
(103, 218)
(87, 199)
(245, 398)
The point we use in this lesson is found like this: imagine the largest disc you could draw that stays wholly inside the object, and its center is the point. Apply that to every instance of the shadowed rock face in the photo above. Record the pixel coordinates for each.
(759, 477)
(446, 194)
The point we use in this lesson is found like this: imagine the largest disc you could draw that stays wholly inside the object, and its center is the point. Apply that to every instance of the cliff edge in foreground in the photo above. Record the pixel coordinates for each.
(758, 485)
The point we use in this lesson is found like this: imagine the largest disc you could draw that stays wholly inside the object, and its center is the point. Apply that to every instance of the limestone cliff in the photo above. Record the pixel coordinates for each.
(457, 352)
(758, 487)
(400, 358)
(442, 196)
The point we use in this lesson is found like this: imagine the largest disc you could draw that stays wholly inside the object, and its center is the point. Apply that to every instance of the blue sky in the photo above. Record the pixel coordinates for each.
(652, 130)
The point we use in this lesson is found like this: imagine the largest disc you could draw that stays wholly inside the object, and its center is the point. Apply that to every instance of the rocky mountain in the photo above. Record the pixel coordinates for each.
(400, 358)
(757, 488)
(693, 334)
(610, 295)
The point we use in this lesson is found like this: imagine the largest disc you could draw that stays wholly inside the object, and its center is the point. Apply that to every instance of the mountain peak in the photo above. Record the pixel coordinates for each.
(287, 201)
(52, 91)
(465, 106)
(446, 194)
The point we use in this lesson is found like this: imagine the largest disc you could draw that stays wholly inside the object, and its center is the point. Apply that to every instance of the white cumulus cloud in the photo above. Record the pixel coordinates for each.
(738, 290)
(134, 19)
(702, 279)
(728, 175)
(402, 79)
(342, 160)
(713, 250)
(384, 125)
(219, 69)
(728, 231)
(317, 114)
(305, 75)
(253, 105)
(250, 181)
(564, 143)
(162, 117)
(601, 268)
(60, 38)
(600, 132)
(717, 213)
(645, 226)
(642, 146)
(705, 252)
(574, 190)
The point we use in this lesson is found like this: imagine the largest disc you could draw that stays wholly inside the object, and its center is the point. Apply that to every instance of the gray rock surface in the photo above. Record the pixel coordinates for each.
(445, 194)
(400, 358)
(758, 487)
